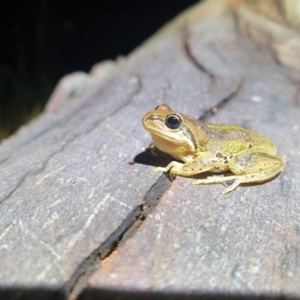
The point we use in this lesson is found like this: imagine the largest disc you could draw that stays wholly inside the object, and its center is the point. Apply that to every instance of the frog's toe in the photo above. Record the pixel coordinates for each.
(159, 169)
(229, 182)
(233, 185)
(209, 179)
(226, 191)
(172, 176)
(196, 182)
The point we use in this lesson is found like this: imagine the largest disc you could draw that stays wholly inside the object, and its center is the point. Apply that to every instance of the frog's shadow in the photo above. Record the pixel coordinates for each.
(147, 158)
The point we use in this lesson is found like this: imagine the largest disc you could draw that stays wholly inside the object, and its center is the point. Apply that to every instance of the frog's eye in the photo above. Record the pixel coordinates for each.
(173, 121)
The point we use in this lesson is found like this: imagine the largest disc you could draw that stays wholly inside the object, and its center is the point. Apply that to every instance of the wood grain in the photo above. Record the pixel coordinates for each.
(82, 213)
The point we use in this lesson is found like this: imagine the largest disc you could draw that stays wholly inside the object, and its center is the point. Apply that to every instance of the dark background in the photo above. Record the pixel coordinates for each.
(42, 40)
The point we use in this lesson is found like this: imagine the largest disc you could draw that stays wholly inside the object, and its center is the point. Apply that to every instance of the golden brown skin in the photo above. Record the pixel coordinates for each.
(211, 147)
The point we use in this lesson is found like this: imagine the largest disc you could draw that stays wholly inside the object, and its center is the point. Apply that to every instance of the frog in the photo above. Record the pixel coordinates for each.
(199, 147)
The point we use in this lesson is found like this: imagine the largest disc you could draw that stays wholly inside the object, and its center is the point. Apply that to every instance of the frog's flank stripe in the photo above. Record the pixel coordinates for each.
(189, 134)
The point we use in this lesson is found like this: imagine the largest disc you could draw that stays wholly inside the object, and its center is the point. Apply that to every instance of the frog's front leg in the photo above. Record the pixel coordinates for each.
(172, 165)
(196, 166)
(248, 166)
(153, 149)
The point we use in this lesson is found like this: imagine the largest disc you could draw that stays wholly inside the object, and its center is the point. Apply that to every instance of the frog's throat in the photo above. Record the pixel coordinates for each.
(159, 137)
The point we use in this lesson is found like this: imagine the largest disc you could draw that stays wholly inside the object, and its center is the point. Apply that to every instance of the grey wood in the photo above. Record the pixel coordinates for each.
(76, 213)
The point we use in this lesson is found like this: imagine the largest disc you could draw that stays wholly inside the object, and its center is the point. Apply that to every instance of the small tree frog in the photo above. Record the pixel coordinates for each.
(211, 148)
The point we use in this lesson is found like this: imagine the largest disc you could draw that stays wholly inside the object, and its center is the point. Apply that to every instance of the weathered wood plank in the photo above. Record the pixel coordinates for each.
(65, 180)
(72, 204)
(245, 243)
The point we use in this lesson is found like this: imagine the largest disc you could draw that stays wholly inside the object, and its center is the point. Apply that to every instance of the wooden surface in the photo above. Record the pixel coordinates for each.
(80, 217)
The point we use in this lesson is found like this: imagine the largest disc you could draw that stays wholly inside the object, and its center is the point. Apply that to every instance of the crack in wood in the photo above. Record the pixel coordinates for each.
(70, 140)
(79, 280)
(39, 170)
(60, 123)
(207, 114)
(85, 105)
(134, 219)
(18, 184)
(195, 61)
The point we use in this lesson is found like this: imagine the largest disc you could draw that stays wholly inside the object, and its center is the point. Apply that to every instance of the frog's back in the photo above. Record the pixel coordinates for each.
(235, 138)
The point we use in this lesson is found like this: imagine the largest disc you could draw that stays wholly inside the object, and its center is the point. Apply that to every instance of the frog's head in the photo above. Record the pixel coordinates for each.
(172, 131)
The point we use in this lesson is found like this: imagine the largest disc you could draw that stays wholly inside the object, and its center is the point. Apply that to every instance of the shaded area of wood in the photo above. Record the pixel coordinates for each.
(84, 215)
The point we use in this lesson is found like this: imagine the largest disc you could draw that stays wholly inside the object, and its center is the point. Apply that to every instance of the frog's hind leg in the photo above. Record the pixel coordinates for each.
(248, 166)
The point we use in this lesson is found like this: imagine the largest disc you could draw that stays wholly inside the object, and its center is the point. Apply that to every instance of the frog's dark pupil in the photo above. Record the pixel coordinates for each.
(173, 122)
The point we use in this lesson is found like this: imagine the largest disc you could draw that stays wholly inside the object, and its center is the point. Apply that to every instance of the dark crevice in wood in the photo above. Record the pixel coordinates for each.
(195, 61)
(221, 104)
(129, 225)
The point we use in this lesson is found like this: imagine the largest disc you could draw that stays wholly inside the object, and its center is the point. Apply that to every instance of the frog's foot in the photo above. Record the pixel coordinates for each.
(165, 170)
(171, 169)
(231, 182)
(161, 169)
